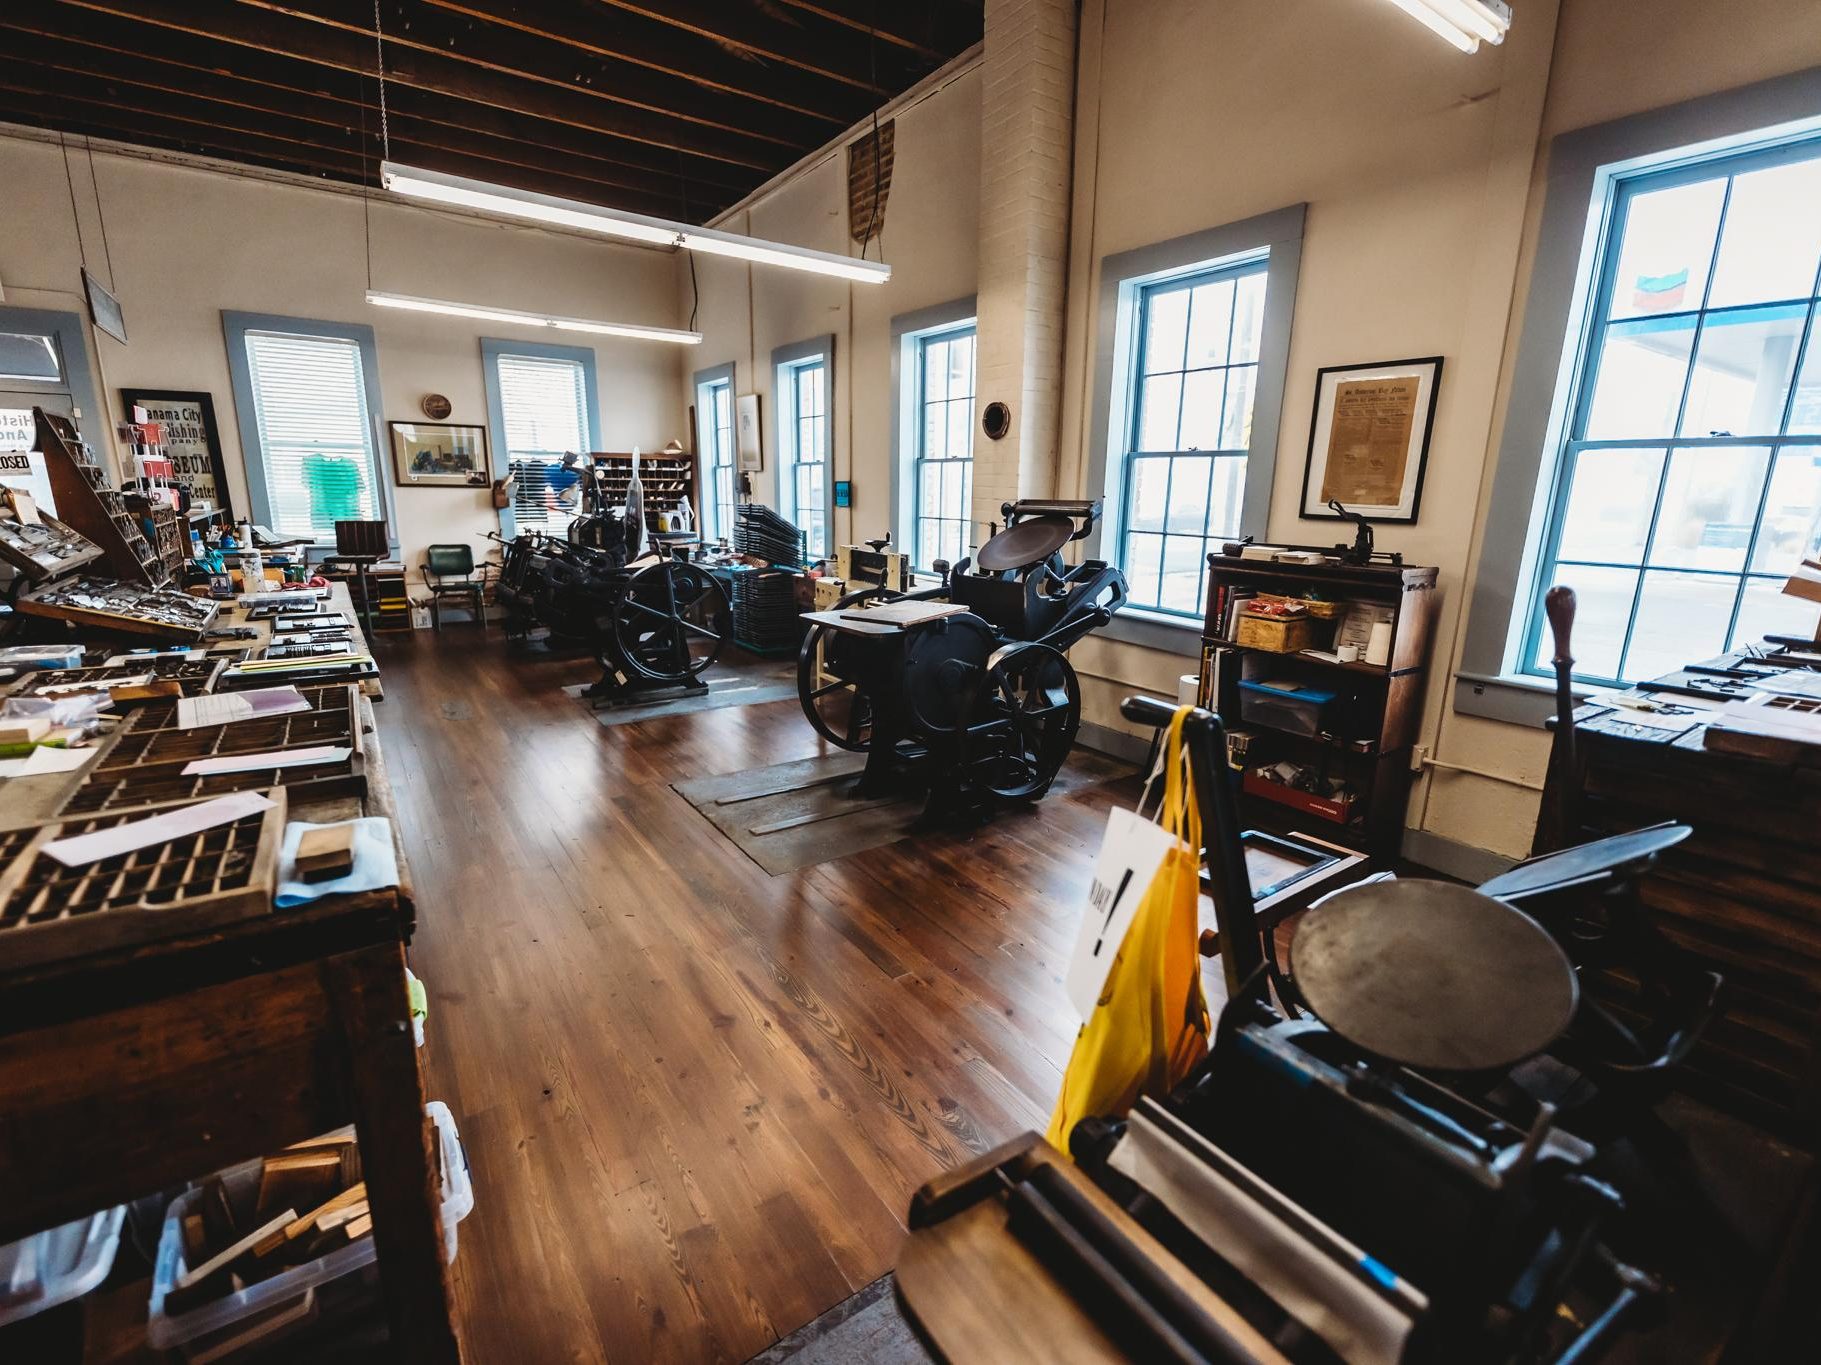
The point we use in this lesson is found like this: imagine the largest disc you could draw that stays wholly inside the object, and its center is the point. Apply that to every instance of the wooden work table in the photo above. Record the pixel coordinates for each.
(131, 1071)
(1743, 894)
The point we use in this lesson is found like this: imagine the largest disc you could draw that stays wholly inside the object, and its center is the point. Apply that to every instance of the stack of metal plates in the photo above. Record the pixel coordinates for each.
(765, 609)
(762, 533)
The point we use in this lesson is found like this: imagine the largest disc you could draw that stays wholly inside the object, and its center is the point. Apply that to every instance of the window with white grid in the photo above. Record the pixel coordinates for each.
(803, 442)
(313, 417)
(1687, 484)
(544, 407)
(942, 482)
(720, 477)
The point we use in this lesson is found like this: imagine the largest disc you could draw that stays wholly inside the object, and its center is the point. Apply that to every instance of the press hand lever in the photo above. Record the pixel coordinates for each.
(1558, 605)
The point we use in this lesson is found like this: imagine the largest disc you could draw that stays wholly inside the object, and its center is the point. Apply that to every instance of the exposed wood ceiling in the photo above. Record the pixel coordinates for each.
(669, 107)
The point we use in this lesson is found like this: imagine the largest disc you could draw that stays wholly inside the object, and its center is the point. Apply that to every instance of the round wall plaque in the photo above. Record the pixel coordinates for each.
(436, 407)
(996, 421)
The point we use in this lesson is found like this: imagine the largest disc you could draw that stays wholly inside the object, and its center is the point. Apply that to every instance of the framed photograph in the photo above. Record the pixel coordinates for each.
(439, 455)
(104, 308)
(190, 437)
(1369, 438)
(746, 433)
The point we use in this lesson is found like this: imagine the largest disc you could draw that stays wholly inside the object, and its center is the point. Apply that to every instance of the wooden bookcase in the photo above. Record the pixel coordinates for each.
(667, 479)
(1369, 728)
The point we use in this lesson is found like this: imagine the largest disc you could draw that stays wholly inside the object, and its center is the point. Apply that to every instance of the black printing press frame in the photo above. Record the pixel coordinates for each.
(979, 706)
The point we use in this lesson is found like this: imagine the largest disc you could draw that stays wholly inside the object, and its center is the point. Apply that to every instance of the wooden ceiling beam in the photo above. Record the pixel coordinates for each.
(276, 143)
(413, 26)
(797, 39)
(662, 140)
(463, 127)
(613, 35)
(146, 86)
(933, 31)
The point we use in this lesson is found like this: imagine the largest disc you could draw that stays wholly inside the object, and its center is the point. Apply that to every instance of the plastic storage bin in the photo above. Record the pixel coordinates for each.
(49, 1268)
(288, 1301)
(1298, 711)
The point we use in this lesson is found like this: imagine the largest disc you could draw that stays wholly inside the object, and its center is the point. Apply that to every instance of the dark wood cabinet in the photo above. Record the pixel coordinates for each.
(1366, 732)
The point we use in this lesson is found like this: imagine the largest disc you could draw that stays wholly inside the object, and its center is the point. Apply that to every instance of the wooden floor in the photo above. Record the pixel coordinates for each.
(695, 1097)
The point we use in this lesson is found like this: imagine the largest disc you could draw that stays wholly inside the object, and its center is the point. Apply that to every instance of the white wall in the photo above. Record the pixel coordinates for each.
(1423, 172)
(187, 243)
(930, 236)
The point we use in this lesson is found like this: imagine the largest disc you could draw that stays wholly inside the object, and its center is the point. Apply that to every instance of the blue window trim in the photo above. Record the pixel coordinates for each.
(78, 381)
(235, 327)
(1122, 276)
(907, 331)
(492, 348)
(1582, 168)
(793, 357)
(703, 380)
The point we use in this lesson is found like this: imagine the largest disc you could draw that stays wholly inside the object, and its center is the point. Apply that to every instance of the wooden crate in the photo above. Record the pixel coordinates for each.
(49, 912)
(1276, 634)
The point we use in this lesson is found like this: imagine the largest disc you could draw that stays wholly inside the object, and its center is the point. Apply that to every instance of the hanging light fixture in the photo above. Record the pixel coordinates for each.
(435, 187)
(1465, 23)
(411, 303)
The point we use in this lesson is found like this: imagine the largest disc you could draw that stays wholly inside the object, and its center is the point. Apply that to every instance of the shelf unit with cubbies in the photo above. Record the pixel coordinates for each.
(1368, 727)
(667, 480)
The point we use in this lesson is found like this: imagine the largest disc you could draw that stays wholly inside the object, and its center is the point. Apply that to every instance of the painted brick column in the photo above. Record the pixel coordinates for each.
(1026, 143)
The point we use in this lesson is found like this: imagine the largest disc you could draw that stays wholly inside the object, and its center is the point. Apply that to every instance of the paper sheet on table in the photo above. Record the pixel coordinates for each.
(52, 758)
(271, 758)
(222, 708)
(146, 656)
(82, 849)
(97, 685)
(375, 863)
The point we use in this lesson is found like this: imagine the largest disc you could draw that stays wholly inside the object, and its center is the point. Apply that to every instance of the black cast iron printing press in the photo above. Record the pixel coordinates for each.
(964, 689)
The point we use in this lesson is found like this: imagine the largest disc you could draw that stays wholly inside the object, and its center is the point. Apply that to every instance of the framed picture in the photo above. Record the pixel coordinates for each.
(190, 437)
(439, 455)
(104, 308)
(746, 433)
(1369, 438)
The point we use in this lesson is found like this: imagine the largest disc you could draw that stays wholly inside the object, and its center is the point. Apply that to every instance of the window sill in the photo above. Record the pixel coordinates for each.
(1152, 630)
(1516, 700)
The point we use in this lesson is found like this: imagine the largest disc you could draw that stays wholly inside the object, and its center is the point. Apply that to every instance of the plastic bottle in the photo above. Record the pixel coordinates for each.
(252, 563)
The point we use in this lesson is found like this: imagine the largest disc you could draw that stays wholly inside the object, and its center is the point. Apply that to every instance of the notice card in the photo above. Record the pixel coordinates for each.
(1130, 855)
(222, 708)
(83, 849)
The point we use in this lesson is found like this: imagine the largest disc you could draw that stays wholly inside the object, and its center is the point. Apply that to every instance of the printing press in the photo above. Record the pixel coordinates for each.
(963, 690)
(1419, 1140)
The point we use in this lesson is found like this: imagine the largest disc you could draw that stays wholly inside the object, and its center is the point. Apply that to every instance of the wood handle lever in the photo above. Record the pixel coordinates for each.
(1558, 605)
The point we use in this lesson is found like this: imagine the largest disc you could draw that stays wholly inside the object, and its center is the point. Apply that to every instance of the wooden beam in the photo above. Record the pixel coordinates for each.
(936, 32)
(248, 29)
(620, 37)
(339, 115)
(175, 52)
(799, 40)
(413, 27)
(276, 142)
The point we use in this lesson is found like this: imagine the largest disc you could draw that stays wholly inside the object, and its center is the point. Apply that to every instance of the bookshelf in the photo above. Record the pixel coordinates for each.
(89, 505)
(1366, 730)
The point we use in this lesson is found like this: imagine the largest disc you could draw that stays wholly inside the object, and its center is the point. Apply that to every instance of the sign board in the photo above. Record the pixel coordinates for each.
(191, 439)
(20, 466)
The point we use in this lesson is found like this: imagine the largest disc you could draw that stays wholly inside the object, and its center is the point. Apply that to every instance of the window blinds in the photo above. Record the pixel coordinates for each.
(544, 404)
(315, 432)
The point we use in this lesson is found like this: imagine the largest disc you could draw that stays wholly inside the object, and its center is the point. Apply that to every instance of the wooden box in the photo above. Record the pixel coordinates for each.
(1275, 634)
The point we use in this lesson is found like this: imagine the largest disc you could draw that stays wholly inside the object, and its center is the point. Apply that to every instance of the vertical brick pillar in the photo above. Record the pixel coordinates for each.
(1027, 128)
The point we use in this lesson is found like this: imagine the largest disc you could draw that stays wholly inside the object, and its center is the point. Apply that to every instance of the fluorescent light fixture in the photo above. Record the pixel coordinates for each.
(437, 188)
(1465, 23)
(517, 319)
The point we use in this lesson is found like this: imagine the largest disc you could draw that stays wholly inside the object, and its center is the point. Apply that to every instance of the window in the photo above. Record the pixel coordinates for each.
(543, 404)
(43, 364)
(1687, 477)
(312, 424)
(942, 435)
(1192, 376)
(803, 402)
(720, 474)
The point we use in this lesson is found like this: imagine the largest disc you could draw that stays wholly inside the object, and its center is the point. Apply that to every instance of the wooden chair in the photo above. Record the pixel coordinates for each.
(449, 575)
